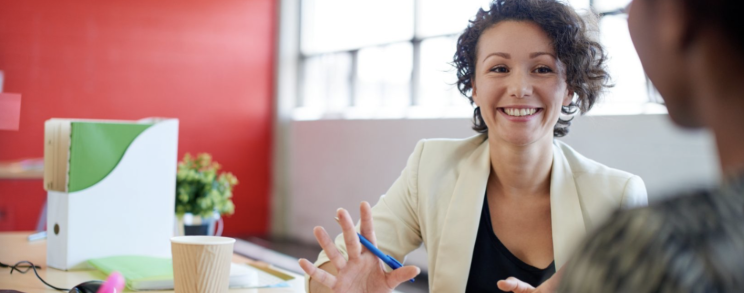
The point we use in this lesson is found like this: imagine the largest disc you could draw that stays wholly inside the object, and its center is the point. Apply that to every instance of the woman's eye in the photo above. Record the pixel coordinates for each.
(500, 69)
(543, 69)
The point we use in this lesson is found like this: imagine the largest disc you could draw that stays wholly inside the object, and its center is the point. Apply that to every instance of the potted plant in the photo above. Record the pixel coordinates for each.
(203, 194)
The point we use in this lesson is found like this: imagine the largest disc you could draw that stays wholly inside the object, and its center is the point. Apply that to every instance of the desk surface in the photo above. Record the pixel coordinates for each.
(14, 248)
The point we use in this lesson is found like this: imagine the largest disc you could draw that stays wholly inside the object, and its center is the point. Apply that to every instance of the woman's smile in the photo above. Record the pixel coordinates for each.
(520, 113)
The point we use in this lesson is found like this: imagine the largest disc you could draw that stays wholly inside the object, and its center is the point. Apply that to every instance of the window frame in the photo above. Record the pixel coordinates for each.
(650, 107)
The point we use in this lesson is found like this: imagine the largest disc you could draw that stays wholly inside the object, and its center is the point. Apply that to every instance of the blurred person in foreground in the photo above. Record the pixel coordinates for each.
(693, 51)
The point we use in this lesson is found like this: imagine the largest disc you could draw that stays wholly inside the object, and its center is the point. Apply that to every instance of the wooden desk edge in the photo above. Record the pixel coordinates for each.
(15, 247)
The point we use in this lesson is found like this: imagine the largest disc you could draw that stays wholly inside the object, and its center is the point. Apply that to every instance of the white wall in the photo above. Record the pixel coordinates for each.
(339, 163)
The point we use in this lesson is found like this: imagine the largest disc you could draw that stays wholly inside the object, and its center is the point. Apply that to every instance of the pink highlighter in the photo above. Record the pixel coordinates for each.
(114, 284)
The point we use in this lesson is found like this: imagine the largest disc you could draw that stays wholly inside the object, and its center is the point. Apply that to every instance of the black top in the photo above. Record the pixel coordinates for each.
(492, 261)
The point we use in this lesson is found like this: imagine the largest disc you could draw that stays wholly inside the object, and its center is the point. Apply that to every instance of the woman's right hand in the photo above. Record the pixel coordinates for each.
(363, 271)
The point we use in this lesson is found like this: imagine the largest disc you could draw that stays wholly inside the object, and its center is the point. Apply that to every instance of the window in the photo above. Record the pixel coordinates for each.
(391, 59)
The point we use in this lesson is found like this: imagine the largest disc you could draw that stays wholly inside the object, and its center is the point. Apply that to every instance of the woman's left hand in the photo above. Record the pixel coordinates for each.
(514, 285)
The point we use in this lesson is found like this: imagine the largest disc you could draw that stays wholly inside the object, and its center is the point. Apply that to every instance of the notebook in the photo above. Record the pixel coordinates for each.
(154, 273)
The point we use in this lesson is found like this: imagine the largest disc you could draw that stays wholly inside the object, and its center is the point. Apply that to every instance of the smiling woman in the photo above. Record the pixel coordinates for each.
(510, 201)
(517, 73)
(579, 60)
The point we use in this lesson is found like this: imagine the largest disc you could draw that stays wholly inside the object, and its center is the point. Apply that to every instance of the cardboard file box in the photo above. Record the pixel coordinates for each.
(110, 189)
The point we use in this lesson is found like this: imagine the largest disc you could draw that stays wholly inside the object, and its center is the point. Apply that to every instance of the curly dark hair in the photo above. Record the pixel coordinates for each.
(583, 57)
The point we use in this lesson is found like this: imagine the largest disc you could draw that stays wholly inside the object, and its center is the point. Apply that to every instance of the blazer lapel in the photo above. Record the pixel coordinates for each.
(461, 223)
(565, 208)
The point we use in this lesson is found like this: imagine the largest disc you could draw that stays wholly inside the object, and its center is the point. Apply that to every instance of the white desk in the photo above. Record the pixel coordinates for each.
(14, 248)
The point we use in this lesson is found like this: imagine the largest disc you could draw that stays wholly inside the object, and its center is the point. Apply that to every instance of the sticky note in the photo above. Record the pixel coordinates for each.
(10, 111)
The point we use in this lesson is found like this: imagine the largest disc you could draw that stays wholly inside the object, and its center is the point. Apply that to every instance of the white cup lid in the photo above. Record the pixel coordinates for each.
(202, 240)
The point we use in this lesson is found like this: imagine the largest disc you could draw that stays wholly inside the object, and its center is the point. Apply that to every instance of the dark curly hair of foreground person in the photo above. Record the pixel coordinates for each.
(688, 244)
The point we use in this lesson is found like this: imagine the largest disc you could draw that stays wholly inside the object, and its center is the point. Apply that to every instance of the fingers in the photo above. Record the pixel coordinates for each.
(329, 248)
(512, 284)
(317, 274)
(401, 275)
(551, 284)
(367, 228)
(353, 247)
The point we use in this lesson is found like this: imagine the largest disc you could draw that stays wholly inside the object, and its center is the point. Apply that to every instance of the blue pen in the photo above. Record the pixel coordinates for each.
(389, 260)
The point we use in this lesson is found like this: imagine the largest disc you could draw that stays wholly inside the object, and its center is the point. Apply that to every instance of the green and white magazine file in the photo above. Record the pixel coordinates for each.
(110, 189)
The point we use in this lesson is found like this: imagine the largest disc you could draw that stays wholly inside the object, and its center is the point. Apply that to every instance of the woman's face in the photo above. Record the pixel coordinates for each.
(519, 83)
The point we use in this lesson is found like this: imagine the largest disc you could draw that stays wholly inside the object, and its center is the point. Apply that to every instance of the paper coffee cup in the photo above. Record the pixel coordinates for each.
(201, 264)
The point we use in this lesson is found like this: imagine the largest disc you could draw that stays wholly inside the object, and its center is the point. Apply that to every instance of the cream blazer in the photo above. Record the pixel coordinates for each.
(437, 202)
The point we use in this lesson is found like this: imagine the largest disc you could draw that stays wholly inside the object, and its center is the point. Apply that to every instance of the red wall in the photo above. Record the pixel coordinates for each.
(207, 63)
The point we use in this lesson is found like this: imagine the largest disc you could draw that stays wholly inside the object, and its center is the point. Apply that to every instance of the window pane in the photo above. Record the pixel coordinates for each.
(580, 5)
(438, 95)
(438, 77)
(609, 5)
(384, 79)
(440, 17)
(624, 66)
(325, 84)
(332, 25)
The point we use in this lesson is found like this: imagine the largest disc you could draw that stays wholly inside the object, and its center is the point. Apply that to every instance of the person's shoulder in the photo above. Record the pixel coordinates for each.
(583, 166)
(702, 204)
(444, 152)
(689, 210)
(685, 233)
(452, 145)
(688, 216)
(676, 205)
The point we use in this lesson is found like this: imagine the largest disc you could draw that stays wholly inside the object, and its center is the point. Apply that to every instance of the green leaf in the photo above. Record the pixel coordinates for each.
(201, 189)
